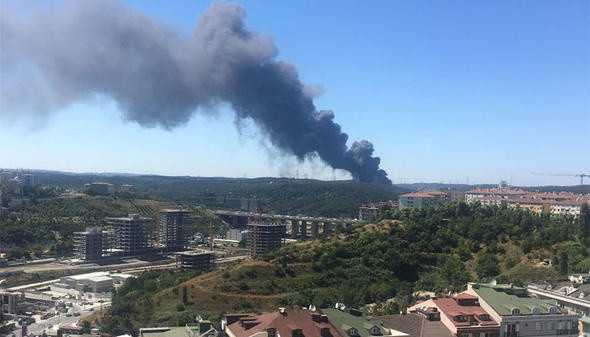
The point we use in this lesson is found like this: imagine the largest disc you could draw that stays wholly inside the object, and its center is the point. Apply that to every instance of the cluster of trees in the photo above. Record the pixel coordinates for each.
(135, 298)
(42, 227)
(278, 195)
(436, 249)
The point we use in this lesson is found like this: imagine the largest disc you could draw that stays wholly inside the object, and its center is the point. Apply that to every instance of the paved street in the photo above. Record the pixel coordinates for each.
(61, 319)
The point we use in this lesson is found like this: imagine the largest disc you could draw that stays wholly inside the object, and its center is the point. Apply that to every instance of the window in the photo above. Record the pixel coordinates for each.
(515, 311)
(512, 327)
(539, 326)
(460, 318)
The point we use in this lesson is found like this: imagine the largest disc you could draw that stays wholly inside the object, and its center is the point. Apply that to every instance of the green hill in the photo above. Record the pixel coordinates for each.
(276, 195)
(437, 249)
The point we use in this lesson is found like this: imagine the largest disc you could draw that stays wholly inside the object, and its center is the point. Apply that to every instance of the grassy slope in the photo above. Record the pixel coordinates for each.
(256, 285)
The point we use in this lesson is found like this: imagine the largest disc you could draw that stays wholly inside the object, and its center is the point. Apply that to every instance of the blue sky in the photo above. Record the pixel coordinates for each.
(447, 91)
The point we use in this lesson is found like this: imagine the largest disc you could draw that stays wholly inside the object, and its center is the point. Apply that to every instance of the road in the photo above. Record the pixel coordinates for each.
(61, 319)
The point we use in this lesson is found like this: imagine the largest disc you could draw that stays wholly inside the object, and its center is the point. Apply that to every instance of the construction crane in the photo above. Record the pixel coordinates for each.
(581, 175)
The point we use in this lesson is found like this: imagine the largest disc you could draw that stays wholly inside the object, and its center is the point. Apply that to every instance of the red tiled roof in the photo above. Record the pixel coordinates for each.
(465, 296)
(284, 323)
(451, 309)
(424, 194)
(496, 191)
(415, 325)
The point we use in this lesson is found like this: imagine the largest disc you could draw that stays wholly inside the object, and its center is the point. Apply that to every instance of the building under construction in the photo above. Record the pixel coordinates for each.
(174, 229)
(131, 235)
(265, 237)
(195, 260)
(88, 245)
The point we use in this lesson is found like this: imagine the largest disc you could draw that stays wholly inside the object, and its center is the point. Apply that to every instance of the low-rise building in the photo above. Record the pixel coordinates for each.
(99, 188)
(505, 193)
(97, 282)
(354, 323)
(195, 260)
(422, 199)
(462, 315)
(415, 324)
(10, 301)
(580, 278)
(202, 328)
(127, 188)
(571, 297)
(563, 203)
(281, 323)
(369, 213)
(521, 315)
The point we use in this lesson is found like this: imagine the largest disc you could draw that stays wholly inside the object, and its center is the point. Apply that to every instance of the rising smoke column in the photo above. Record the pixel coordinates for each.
(159, 78)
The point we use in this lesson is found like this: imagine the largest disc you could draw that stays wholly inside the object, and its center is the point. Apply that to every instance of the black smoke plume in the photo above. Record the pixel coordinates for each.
(158, 78)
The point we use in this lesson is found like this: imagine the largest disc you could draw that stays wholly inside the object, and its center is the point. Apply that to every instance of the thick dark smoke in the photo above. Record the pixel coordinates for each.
(159, 78)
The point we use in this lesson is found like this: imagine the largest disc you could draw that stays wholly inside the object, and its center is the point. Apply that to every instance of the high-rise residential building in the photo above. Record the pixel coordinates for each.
(5, 176)
(131, 235)
(88, 245)
(265, 237)
(28, 179)
(174, 228)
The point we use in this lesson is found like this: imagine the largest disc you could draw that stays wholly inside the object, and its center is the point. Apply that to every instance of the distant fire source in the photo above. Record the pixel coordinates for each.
(159, 78)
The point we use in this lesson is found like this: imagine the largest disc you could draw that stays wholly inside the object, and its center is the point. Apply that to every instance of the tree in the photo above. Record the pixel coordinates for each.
(184, 295)
(563, 261)
(486, 264)
(86, 326)
(453, 273)
(585, 220)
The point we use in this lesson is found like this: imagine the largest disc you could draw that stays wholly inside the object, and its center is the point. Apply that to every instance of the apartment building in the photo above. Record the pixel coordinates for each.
(563, 203)
(131, 234)
(521, 315)
(265, 237)
(422, 199)
(284, 322)
(88, 245)
(462, 315)
(174, 229)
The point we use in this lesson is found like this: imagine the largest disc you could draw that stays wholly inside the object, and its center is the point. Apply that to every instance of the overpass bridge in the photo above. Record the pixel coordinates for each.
(298, 226)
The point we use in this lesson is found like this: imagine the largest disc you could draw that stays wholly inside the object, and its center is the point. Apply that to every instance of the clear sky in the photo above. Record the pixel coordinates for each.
(447, 91)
